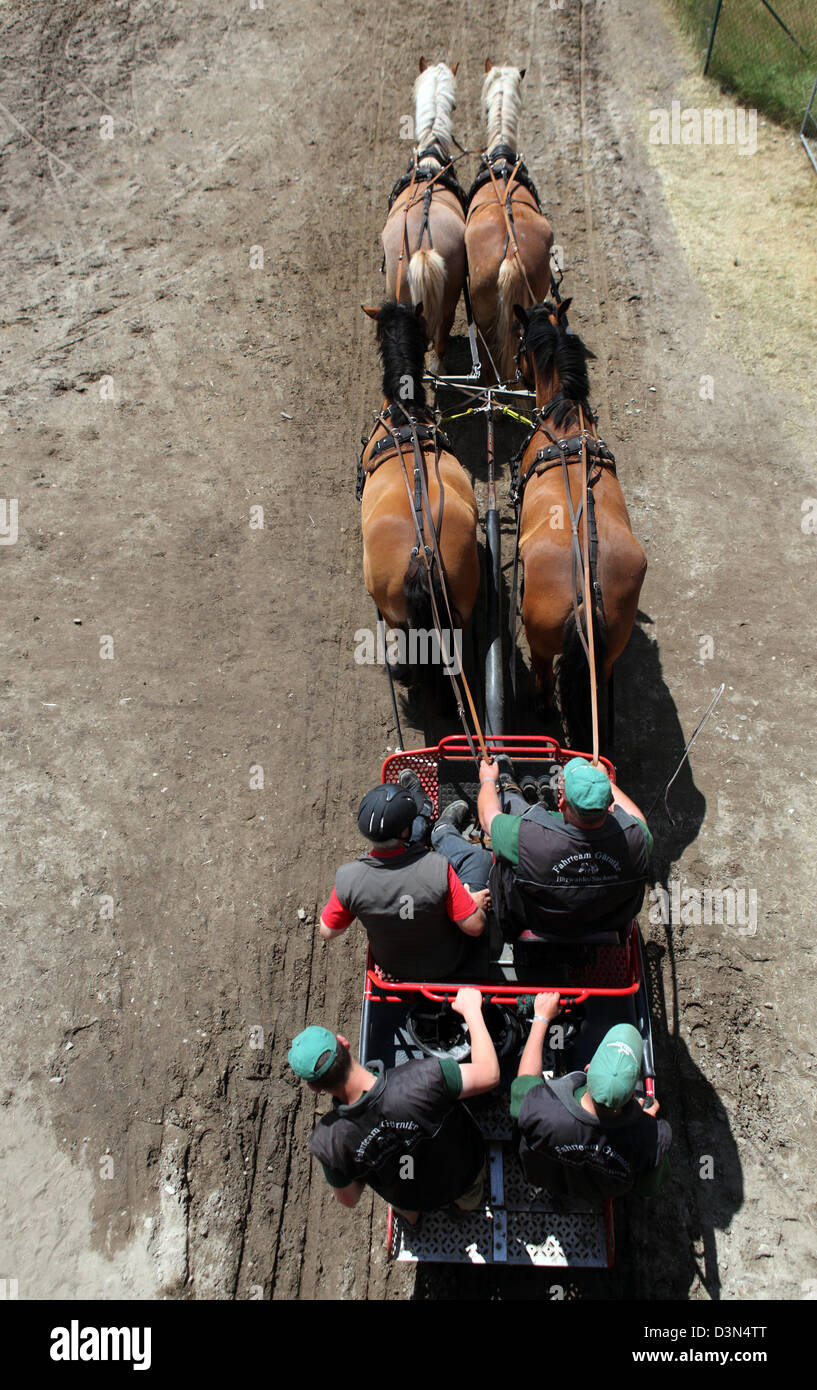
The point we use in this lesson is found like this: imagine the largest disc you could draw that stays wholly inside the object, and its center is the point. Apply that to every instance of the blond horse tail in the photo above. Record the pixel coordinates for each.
(426, 279)
(511, 289)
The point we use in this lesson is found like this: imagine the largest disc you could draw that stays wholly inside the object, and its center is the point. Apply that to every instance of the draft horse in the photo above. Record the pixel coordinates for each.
(550, 492)
(507, 239)
(424, 235)
(419, 513)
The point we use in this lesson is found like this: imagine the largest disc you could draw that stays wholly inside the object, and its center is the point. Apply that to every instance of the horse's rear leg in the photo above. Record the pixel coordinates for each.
(545, 684)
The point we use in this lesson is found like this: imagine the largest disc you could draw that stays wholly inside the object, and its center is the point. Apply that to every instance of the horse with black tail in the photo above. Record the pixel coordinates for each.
(424, 235)
(575, 541)
(419, 514)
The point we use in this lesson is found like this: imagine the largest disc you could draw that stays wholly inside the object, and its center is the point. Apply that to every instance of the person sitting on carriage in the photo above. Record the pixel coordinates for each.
(586, 1134)
(420, 918)
(580, 869)
(403, 1132)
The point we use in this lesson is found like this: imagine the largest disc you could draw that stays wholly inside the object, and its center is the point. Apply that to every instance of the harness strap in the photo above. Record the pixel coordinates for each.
(552, 457)
(505, 204)
(503, 158)
(386, 448)
(445, 177)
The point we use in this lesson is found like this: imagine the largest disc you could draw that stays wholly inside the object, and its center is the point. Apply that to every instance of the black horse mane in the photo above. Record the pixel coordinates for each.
(552, 347)
(402, 342)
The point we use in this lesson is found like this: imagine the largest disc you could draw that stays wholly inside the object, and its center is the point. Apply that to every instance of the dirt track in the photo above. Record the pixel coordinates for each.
(155, 389)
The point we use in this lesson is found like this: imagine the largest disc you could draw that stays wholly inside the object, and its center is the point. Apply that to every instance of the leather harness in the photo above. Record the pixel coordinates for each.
(551, 457)
(443, 177)
(505, 164)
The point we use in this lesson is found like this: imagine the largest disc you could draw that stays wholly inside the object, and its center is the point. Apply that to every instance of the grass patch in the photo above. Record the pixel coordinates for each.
(753, 57)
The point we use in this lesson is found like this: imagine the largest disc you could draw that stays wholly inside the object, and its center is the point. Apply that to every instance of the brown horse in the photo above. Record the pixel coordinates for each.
(424, 235)
(426, 490)
(507, 239)
(555, 362)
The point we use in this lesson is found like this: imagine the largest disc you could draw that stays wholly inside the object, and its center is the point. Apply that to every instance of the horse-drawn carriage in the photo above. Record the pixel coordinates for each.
(601, 981)
(580, 558)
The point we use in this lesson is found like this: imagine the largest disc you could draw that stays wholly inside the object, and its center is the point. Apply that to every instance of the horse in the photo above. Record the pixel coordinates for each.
(507, 238)
(424, 235)
(554, 363)
(419, 513)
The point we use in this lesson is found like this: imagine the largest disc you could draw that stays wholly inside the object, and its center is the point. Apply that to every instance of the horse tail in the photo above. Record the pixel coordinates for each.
(511, 289)
(426, 653)
(426, 280)
(573, 682)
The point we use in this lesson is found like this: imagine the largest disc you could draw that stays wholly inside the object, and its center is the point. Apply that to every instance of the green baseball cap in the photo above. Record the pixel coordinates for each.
(313, 1052)
(587, 788)
(616, 1066)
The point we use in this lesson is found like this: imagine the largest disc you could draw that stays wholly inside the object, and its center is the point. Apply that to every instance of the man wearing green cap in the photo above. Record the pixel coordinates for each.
(585, 1134)
(403, 1132)
(581, 868)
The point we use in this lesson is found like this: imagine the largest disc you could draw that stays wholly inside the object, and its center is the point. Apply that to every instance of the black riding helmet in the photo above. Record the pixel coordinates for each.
(385, 812)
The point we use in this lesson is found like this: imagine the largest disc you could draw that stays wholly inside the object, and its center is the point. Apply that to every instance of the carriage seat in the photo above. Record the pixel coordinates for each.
(597, 938)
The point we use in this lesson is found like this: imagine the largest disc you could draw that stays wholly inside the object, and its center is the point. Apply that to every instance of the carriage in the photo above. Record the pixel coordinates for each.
(601, 981)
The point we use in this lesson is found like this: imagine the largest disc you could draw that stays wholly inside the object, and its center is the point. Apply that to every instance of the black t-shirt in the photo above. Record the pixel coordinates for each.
(569, 1151)
(408, 1138)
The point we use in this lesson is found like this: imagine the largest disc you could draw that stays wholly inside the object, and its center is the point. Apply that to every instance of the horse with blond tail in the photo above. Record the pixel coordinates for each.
(507, 238)
(424, 235)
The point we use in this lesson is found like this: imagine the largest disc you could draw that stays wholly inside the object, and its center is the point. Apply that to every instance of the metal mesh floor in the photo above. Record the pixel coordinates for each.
(518, 1226)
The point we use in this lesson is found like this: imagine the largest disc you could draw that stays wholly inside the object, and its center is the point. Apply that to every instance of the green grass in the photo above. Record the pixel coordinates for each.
(754, 58)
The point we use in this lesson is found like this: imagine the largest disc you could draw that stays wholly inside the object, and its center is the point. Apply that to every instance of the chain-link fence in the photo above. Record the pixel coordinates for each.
(763, 50)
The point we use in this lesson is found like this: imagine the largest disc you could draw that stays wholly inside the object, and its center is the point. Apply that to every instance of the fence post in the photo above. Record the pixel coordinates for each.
(809, 117)
(715, 19)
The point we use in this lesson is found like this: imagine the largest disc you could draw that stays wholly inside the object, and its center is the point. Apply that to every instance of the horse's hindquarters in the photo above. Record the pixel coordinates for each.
(389, 536)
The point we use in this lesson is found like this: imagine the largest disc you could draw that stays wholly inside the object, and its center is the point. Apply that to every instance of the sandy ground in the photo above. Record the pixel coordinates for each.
(158, 948)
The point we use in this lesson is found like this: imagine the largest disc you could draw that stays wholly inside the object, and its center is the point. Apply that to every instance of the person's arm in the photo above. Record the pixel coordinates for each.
(348, 1193)
(335, 918)
(463, 907)
(627, 804)
(488, 804)
(473, 925)
(545, 1009)
(482, 1072)
(351, 1195)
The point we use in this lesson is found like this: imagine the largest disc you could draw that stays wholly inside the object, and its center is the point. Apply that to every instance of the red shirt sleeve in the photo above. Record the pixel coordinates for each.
(335, 915)
(458, 901)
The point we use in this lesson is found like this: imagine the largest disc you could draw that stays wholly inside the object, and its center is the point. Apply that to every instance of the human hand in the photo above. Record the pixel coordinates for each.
(489, 772)
(652, 1108)
(482, 897)
(546, 1005)
(468, 1001)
